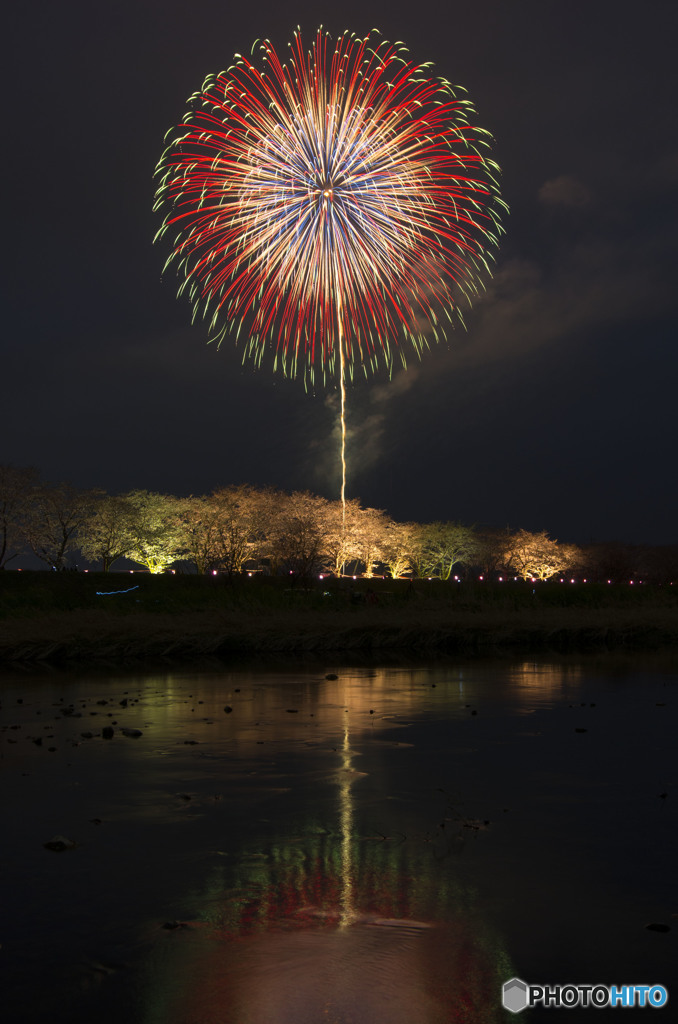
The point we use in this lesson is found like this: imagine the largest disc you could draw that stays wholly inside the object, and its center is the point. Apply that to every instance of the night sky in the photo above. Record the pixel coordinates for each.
(555, 410)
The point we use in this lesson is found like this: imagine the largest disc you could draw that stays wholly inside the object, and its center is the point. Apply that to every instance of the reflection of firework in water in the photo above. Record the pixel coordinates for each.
(334, 206)
(328, 918)
(330, 205)
(272, 949)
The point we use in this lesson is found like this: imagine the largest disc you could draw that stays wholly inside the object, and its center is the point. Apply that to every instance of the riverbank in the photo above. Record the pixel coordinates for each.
(99, 636)
(81, 617)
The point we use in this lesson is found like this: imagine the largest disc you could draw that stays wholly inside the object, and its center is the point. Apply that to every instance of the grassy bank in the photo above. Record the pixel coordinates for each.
(84, 617)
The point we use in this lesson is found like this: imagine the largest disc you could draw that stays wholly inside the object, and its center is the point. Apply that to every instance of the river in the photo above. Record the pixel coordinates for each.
(300, 842)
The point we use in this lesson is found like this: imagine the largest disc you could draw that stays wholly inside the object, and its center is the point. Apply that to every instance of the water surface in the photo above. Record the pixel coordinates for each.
(389, 845)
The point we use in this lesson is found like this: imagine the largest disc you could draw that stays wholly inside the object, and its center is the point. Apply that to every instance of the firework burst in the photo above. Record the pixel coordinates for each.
(333, 208)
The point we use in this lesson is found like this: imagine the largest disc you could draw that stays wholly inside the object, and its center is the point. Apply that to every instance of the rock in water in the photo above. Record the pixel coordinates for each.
(59, 843)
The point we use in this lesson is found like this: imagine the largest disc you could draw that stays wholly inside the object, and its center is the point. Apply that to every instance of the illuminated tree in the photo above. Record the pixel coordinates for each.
(200, 522)
(398, 546)
(298, 534)
(54, 516)
(158, 537)
(244, 518)
(440, 547)
(17, 484)
(370, 537)
(106, 534)
(536, 556)
(340, 547)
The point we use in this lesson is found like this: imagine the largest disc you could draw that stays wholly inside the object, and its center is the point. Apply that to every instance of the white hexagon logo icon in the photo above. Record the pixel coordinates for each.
(514, 995)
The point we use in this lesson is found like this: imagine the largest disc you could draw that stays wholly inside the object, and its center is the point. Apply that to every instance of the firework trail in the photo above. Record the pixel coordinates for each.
(332, 209)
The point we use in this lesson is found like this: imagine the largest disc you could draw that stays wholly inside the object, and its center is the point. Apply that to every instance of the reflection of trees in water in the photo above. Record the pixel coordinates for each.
(545, 679)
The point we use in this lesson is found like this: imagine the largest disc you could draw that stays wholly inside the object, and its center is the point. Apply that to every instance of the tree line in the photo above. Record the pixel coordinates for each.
(243, 528)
